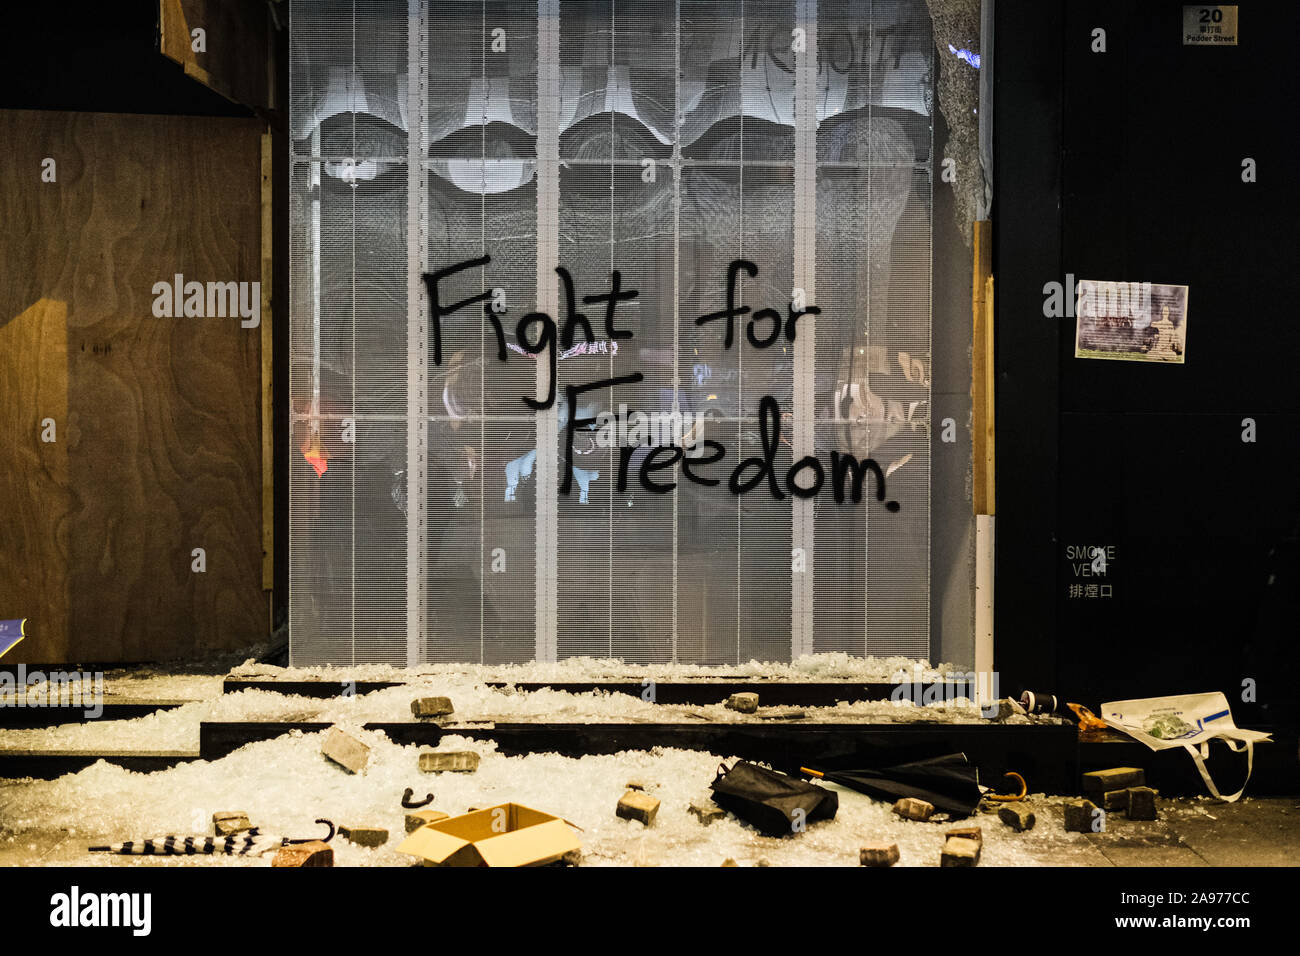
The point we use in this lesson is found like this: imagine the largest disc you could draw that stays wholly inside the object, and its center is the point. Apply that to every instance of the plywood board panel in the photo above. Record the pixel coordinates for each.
(268, 382)
(161, 430)
(34, 476)
(982, 369)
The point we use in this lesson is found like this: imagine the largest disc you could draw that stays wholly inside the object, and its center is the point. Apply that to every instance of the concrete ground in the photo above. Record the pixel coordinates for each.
(1251, 832)
(1189, 833)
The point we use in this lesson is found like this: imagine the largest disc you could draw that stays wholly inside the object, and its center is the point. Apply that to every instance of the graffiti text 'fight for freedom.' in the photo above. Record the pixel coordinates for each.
(538, 332)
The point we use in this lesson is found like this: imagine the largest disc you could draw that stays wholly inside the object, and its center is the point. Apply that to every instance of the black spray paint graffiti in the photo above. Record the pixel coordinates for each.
(538, 332)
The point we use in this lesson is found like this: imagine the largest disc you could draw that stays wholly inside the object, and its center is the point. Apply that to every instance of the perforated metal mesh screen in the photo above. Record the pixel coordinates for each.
(663, 140)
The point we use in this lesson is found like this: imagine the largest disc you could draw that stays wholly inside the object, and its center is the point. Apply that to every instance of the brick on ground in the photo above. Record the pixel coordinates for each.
(449, 761)
(427, 707)
(966, 833)
(1079, 816)
(636, 805)
(1114, 800)
(1017, 815)
(910, 808)
(345, 750)
(743, 703)
(231, 822)
(959, 851)
(878, 854)
(311, 854)
(1141, 803)
(418, 818)
(707, 813)
(1098, 782)
(363, 835)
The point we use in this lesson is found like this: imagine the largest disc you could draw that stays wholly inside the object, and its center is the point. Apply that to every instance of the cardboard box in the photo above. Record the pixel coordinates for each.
(504, 835)
(419, 818)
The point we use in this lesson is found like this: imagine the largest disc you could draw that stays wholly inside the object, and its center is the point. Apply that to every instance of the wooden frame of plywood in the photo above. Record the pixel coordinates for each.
(232, 29)
(982, 371)
(982, 447)
(268, 375)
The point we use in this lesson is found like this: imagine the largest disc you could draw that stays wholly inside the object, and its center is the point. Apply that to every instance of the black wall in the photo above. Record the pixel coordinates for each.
(96, 57)
(1127, 165)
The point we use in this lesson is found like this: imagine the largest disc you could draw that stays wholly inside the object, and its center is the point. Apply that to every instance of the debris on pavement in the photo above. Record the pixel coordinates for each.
(345, 750)
(1141, 803)
(706, 813)
(878, 854)
(637, 805)
(228, 823)
(743, 703)
(1098, 782)
(421, 817)
(428, 707)
(910, 808)
(966, 833)
(1017, 815)
(314, 853)
(959, 851)
(1081, 816)
(364, 835)
(439, 761)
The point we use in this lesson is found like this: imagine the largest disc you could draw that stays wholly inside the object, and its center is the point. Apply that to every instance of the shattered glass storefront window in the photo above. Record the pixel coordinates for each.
(771, 157)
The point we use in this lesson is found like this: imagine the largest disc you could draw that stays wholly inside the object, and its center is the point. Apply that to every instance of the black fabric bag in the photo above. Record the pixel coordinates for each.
(770, 801)
(950, 782)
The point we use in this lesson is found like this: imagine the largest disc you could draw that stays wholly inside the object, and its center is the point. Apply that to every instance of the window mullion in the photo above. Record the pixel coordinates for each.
(548, 225)
(805, 254)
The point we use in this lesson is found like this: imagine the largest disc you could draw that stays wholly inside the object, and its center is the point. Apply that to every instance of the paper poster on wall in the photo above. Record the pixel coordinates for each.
(1131, 321)
(11, 632)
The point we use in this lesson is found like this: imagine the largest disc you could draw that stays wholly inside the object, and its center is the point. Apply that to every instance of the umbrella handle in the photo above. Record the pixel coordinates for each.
(326, 839)
(410, 804)
(1010, 797)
